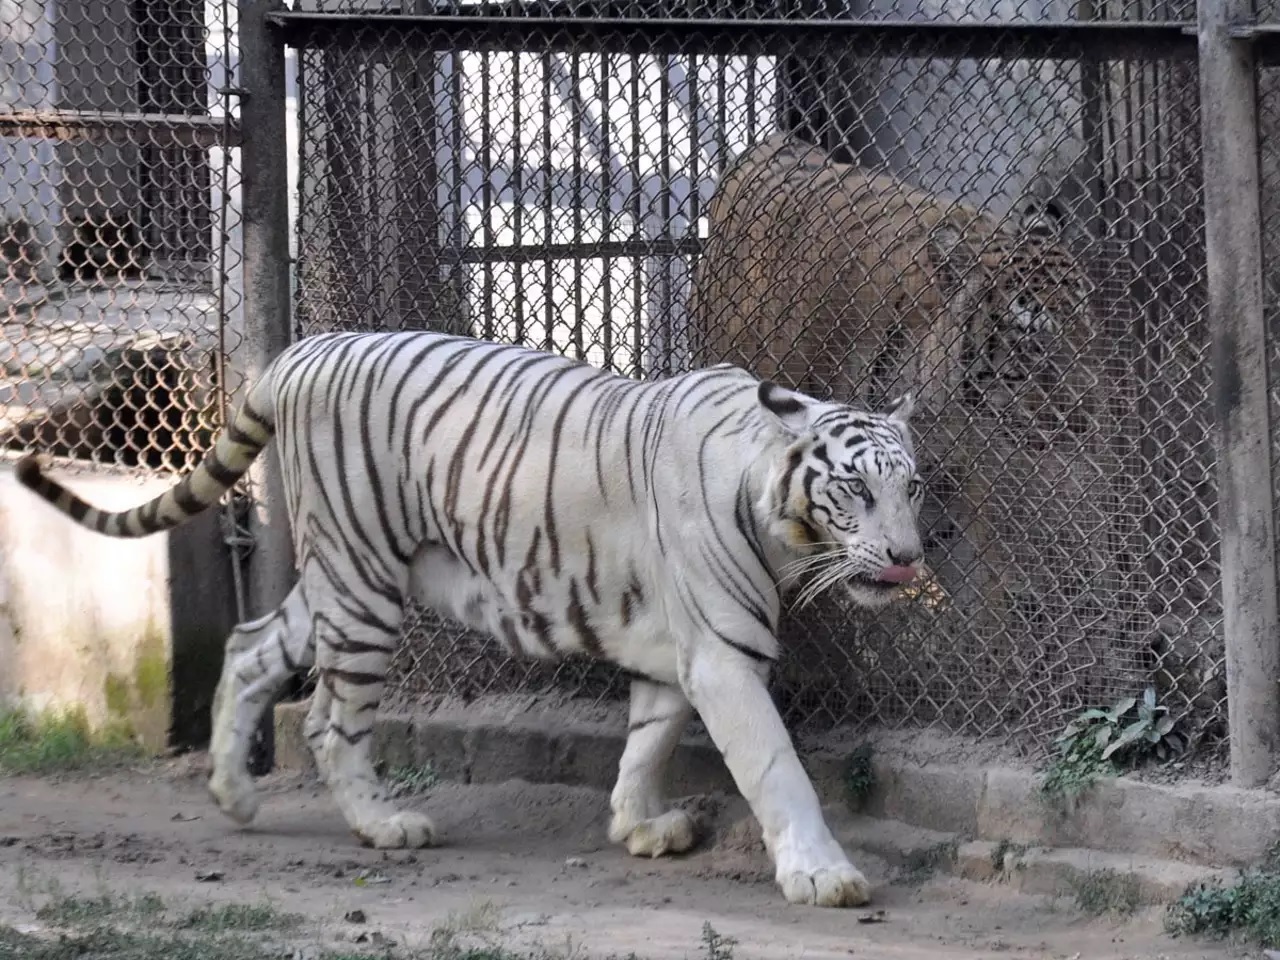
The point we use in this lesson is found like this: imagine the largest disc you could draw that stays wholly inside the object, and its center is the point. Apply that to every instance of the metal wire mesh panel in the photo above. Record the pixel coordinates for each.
(118, 214)
(1015, 232)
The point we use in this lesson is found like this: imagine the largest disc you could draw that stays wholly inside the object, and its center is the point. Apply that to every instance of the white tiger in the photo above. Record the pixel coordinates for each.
(563, 509)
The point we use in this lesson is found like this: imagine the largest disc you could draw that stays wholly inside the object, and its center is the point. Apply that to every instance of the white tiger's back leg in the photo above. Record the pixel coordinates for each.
(353, 656)
(316, 725)
(259, 659)
(641, 817)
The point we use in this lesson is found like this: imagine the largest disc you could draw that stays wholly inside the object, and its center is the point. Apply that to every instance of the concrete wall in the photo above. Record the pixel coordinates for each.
(132, 630)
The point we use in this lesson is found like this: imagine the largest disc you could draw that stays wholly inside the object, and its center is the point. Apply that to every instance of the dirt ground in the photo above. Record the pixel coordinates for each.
(525, 865)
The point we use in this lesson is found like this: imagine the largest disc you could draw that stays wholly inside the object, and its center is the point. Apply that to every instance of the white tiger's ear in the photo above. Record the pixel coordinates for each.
(901, 408)
(793, 411)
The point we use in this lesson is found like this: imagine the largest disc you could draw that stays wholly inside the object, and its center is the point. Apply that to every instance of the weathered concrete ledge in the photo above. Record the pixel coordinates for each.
(983, 823)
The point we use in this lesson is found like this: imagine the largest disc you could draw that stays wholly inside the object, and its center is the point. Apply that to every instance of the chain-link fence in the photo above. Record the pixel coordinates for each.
(118, 216)
(1009, 220)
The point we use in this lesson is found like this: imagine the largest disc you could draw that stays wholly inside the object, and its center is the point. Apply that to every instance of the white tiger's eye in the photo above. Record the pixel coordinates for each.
(855, 486)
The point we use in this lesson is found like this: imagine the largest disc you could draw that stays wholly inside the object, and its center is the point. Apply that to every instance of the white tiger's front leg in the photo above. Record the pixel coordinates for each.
(729, 692)
(641, 819)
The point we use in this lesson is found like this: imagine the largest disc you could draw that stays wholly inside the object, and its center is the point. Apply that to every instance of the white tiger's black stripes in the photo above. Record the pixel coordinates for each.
(563, 510)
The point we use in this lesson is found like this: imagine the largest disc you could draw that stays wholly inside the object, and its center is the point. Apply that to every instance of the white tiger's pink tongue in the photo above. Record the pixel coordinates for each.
(897, 574)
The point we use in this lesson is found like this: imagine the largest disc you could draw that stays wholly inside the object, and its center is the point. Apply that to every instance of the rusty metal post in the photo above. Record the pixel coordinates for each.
(267, 322)
(1233, 236)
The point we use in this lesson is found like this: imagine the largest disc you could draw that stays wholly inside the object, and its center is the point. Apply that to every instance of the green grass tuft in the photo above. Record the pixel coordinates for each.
(92, 911)
(58, 741)
(1106, 891)
(238, 917)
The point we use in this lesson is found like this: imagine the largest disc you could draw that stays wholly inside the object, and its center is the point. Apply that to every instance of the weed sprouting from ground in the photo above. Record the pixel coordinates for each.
(481, 917)
(406, 780)
(60, 741)
(1106, 891)
(715, 945)
(859, 776)
(72, 911)
(1249, 908)
(242, 917)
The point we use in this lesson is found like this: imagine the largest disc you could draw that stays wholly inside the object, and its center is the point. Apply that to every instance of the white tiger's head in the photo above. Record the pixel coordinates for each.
(845, 496)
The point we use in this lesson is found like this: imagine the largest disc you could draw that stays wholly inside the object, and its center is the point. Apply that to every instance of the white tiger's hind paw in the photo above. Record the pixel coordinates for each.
(836, 886)
(671, 832)
(235, 796)
(400, 831)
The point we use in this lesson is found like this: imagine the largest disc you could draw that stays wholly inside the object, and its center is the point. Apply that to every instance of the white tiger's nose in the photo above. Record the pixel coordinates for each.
(904, 558)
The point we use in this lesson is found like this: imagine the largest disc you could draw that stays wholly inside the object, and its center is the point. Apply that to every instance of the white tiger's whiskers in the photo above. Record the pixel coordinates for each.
(792, 571)
(825, 569)
(824, 581)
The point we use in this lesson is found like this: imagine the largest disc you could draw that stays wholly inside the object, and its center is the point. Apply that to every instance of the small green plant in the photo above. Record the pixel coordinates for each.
(1098, 742)
(413, 779)
(859, 776)
(1249, 908)
(715, 945)
(59, 741)
(1106, 891)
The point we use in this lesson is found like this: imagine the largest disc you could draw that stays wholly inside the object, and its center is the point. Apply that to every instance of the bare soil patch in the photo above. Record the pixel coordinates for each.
(523, 866)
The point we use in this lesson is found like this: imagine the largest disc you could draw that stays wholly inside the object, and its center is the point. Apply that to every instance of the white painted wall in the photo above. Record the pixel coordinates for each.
(81, 613)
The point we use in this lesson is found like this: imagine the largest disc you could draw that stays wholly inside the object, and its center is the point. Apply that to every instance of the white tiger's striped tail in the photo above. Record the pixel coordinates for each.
(237, 446)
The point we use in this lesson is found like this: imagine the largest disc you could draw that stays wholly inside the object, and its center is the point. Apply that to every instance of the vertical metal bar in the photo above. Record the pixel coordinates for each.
(689, 324)
(575, 106)
(417, 217)
(1091, 81)
(638, 225)
(661, 365)
(455, 297)
(548, 212)
(267, 330)
(1233, 242)
(721, 159)
(517, 190)
(606, 211)
(489, 327)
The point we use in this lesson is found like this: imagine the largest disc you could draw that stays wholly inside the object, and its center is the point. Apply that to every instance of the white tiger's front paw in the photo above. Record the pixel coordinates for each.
(400, 831)
(234, 795)
(841, 885)
(671, 832)
(815, 871)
